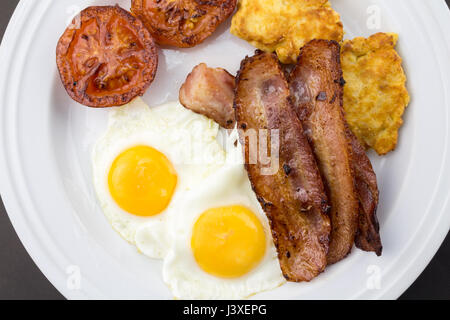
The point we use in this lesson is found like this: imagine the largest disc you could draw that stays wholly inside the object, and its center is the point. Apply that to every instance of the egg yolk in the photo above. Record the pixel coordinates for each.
(228, 241)
(142, 181)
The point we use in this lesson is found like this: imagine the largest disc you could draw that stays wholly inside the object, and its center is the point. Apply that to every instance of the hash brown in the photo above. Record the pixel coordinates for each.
(285, 26)
(375, 94)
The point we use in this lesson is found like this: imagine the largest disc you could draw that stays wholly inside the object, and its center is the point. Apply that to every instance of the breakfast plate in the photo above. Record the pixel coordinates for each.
(47, 143)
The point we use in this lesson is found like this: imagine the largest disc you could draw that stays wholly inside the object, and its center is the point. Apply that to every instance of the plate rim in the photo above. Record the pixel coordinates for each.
(44, 262)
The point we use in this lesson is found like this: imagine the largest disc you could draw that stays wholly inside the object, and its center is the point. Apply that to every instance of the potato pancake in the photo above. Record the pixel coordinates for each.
(375, 95)
(285, 26)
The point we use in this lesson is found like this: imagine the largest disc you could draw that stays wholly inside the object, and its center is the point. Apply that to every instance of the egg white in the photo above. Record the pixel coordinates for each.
(210, 172)
(229, 186)
(187, 139)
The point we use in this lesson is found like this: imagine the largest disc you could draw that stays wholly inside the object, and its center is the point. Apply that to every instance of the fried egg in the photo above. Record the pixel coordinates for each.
(145, 161)
(222, 246)
(173, 183)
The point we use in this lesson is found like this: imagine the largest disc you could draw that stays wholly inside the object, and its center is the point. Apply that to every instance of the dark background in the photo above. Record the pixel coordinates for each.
(21, 279)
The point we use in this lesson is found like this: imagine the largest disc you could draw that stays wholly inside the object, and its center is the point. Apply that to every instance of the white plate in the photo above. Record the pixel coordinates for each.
(46, 141)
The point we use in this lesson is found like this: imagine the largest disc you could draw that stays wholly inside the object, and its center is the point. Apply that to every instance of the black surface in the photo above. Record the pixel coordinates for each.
(21, 279)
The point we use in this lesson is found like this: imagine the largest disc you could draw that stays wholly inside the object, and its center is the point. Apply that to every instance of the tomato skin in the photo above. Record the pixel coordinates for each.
(106, 57)
(182, 23)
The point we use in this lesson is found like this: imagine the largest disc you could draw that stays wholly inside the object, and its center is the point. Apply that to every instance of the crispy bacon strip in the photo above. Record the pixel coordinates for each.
(367, 236)
(316, 90)
(210, 92)
(293, 197)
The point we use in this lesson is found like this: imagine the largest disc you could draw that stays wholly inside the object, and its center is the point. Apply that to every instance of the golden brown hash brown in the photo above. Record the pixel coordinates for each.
(375, 95)
(285, 26)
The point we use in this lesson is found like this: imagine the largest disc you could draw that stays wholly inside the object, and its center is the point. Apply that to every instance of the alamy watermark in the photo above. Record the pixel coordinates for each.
(374, 17)
(73, 281)
(373, 281)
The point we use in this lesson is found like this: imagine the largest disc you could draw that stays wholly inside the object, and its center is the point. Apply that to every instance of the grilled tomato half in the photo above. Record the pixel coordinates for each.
(106, 57)
(182, 23)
